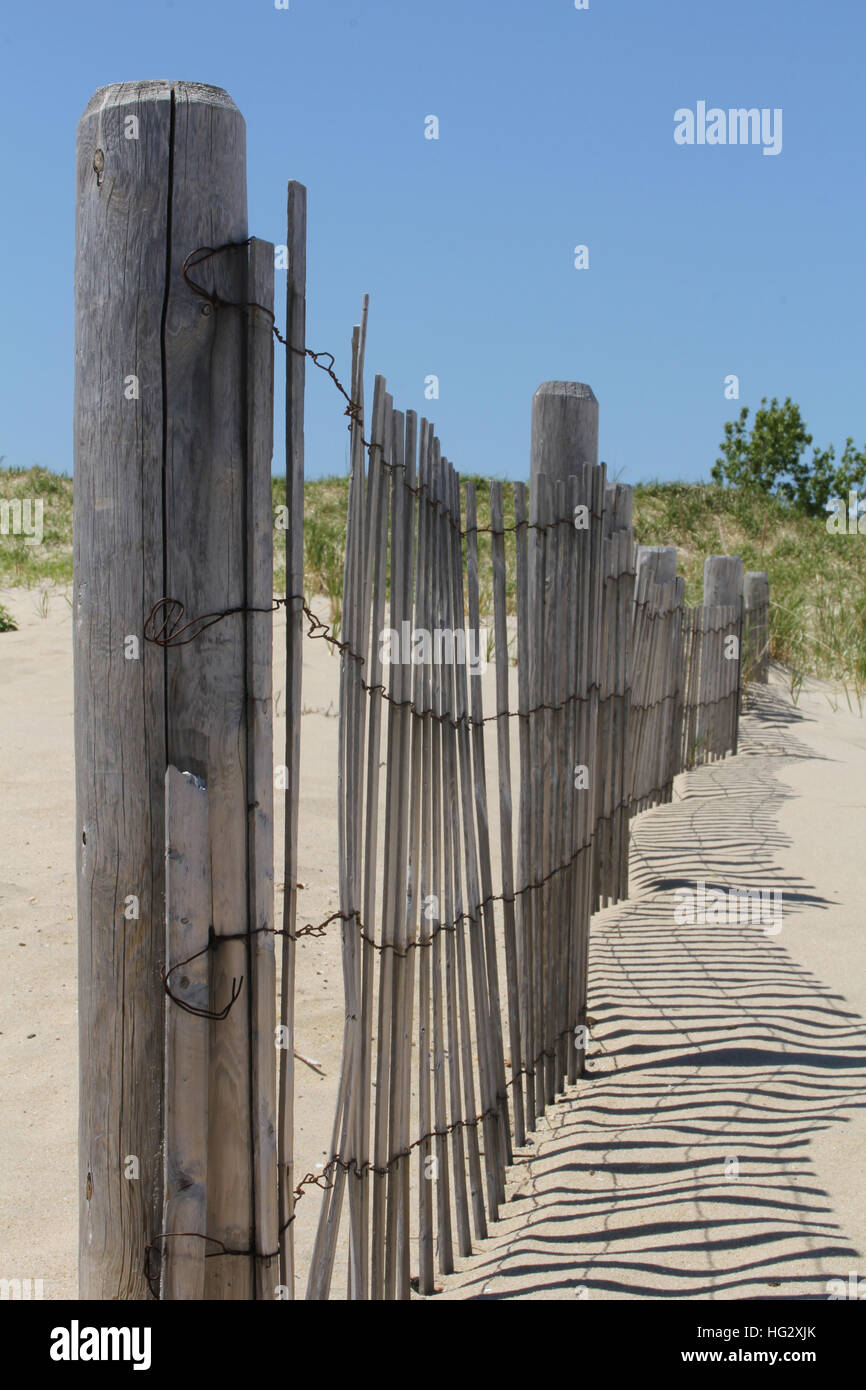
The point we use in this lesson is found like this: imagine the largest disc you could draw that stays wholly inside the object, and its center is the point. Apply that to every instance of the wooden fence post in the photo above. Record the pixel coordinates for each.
(756, 605)
(723, 588)
(660, 562)
(564, 433)
(564, 447)
(723, 580)
(172, 499)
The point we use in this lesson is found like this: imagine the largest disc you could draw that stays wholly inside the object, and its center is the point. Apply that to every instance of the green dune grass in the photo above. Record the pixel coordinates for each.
(817, 580)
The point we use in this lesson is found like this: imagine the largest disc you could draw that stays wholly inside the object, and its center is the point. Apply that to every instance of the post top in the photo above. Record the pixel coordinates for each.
(755, 583)
(161, 89)
(720, 562)
(578, 389)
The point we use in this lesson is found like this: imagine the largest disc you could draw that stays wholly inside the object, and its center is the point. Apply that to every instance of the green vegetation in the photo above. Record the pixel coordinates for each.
(770, 460)
(26, 565)
(817, 579)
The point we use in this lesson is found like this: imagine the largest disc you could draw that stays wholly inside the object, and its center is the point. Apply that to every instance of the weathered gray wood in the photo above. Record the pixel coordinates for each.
(296, 241)
(485, 1024)
(562, 787)
(574, 675)
(393, 899)
(660, 562)
(402, 575)
(205, 496)
(260, 763)
(595, 493)
(756, 604)
(485, 870)
(458, 827)
(564, 432)
(545, 620)
(565, 444)
(354, 631)
(452, 1044)
(349, 814)
(173, 518)
(723, 580)
(525, 936)
(537, 543)
(723, 587)
(377, 493)
(422, 791)
(187, 924)
(119, 720)
(406, 1014)
(503, 748)
(350, 1136)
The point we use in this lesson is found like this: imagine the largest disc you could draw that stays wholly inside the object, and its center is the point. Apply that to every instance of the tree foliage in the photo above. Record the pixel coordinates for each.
(772, 458)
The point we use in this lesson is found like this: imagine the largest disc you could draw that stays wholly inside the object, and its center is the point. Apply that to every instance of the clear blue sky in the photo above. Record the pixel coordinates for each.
(556, 128)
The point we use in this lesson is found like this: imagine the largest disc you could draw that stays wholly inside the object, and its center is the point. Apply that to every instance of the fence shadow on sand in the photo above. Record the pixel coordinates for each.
(682, 1167)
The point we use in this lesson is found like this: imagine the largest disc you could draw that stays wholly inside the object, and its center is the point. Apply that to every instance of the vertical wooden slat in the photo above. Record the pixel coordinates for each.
(453, 1049)
(429, 915)
(296, 290)
(402, 576)
(378, 539)
(459, 907)
(260, 763)
(506, 830)
(485, 871)
(525, 940)
(392, 893)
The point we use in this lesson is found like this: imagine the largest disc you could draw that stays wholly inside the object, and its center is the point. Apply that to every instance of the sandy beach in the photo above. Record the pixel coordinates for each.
(714, 1148)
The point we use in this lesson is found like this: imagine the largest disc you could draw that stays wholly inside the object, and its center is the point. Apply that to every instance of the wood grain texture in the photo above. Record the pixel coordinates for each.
(187, 926)
(723, 580)
(120, 252)
(260, 761)
(167, 495)
(756, 632)
(296, 309)
(205, 492)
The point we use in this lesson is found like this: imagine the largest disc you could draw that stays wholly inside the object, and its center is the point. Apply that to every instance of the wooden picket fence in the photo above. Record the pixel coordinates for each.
(482, 818)
(482, 823)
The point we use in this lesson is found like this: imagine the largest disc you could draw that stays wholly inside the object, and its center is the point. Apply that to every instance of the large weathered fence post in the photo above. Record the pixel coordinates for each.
(564, 473)
(564, 433)
(723, 581)
(756, 604)
(172, 498)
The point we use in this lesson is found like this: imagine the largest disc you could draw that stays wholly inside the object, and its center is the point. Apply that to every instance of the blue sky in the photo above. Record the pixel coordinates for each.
(556, 129)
